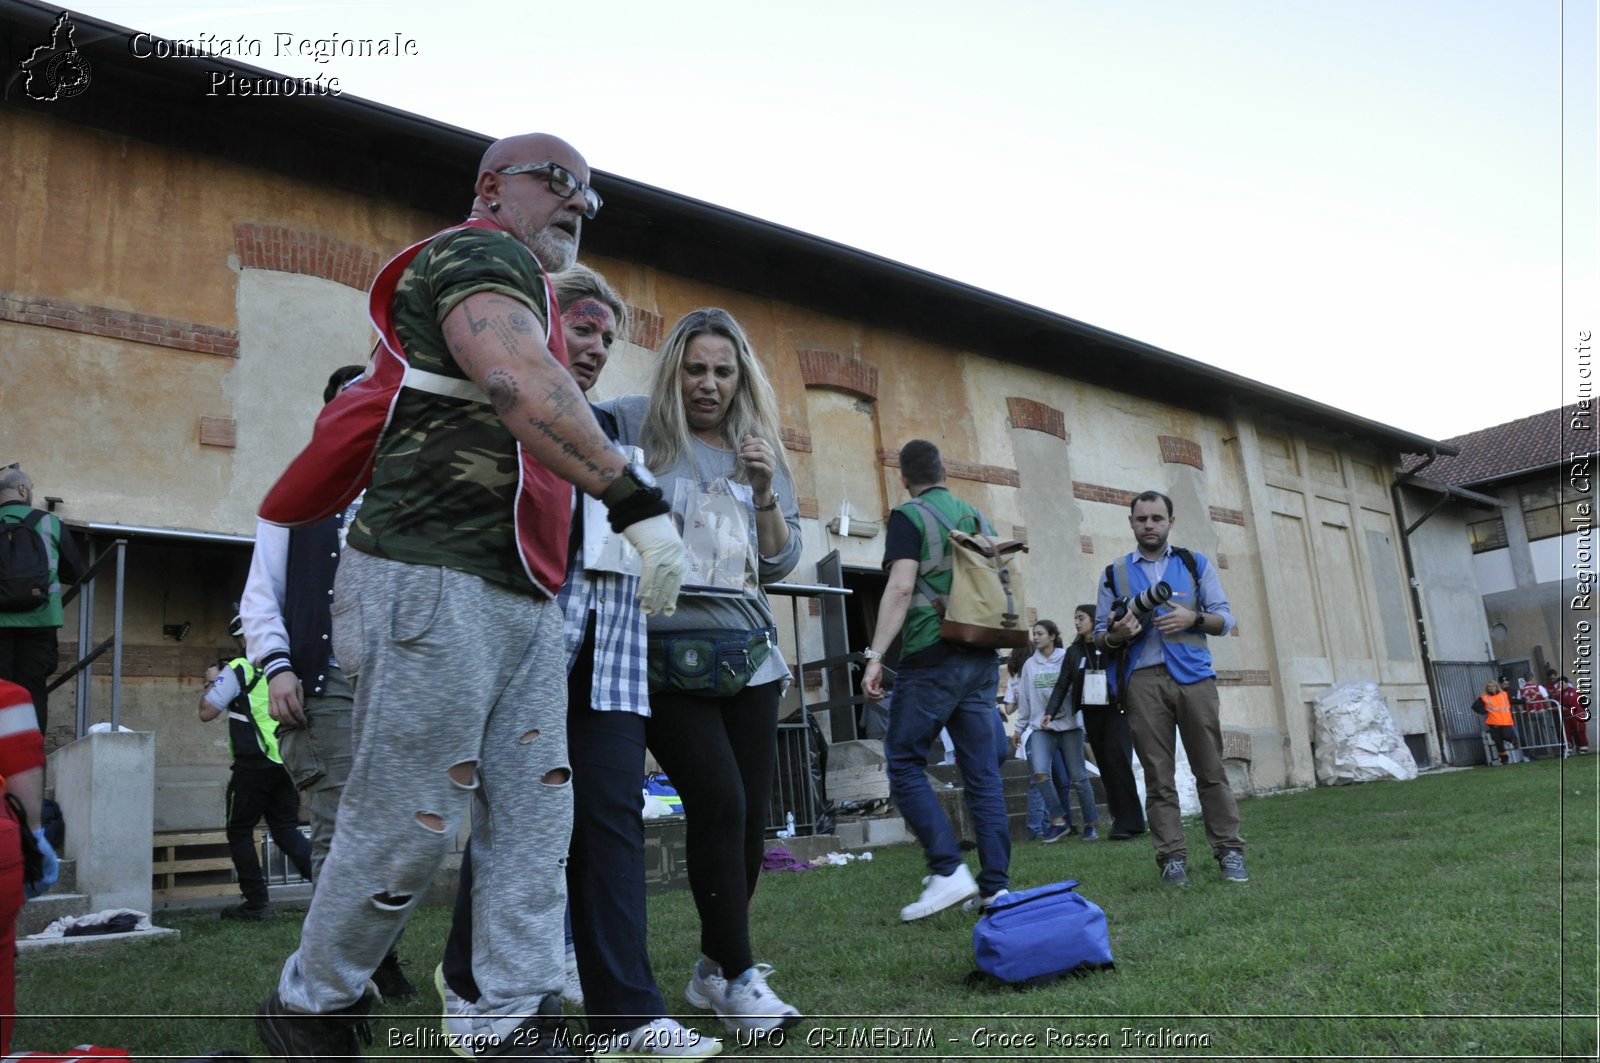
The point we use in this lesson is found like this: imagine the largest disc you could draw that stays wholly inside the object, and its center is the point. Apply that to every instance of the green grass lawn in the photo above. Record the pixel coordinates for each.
(1450, 917)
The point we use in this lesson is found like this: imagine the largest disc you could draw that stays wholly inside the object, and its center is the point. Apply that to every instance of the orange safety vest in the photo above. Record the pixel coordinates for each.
(1499, 706)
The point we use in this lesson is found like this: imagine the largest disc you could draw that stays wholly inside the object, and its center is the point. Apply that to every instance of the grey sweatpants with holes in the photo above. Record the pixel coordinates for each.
(450, 672)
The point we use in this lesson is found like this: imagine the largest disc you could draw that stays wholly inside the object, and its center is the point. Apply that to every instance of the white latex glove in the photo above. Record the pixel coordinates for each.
(661, 549)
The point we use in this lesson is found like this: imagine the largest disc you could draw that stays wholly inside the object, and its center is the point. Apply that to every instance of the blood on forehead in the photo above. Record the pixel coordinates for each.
(591, 310)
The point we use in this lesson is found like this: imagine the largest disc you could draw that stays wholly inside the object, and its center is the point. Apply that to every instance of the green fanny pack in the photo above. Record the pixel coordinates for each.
(716, 664)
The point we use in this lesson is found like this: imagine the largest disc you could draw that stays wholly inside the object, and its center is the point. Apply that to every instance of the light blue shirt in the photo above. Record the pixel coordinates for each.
(1148, 649)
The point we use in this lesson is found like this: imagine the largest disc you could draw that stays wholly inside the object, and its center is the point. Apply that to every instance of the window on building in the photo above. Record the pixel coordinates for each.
(1487, 534)
(1545, 514)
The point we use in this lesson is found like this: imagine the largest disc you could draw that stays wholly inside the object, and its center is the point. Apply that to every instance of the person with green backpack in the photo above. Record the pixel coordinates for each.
(944, 680)
(36, 554)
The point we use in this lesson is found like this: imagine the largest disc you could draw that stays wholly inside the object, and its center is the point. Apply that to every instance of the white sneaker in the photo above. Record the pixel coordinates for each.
(750, 1005)
(940, 892)
(572, 992)
(706, 985)
(660, 1037)
(981, 903)
(456, 1025)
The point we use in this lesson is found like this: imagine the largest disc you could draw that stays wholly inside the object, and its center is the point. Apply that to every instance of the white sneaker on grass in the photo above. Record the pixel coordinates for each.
(572, 990)
(940, 892)
(706, 985)
(751, 1005)
(660, 1038)
(455, 1024)
(981, 902)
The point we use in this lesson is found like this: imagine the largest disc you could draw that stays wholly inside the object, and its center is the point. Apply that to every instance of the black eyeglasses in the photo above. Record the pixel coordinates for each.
(562, 182)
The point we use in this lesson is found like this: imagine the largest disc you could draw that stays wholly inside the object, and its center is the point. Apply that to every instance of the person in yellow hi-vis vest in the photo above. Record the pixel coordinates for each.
(259, 786)
(1495, 707)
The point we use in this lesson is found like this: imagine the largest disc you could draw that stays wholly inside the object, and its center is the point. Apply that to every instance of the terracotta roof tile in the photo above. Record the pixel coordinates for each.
(1528, 443)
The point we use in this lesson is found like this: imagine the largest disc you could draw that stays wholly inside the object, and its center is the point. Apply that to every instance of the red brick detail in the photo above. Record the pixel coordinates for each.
(1227, 516)
(1245, 677)
(962, 470)
(119, 324)
(814, 606)
(795, 439)
(286, 250)
(1175, 450)
(218, 432)
(1222, 561)
(646, 328)
(813, 678)
(1086, 542)
(1019, 532)
(807, 507)
(1098, 493)
(825, 369)
(1026, 413)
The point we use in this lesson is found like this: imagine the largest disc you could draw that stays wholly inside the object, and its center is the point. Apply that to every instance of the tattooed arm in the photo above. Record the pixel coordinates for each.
(499, 343)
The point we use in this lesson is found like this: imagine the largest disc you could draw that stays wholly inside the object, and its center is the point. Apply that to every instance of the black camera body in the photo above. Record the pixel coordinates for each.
(1147, 601)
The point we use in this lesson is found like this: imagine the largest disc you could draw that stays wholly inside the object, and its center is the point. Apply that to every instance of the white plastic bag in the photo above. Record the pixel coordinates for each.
(1356, 737)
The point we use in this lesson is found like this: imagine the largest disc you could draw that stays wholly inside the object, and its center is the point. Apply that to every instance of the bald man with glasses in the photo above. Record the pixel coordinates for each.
(444, 611)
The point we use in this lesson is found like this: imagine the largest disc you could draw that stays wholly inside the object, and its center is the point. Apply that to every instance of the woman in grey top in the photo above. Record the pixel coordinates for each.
(709, 431)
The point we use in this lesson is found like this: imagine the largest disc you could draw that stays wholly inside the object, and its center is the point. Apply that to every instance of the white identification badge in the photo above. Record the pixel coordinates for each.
(603, 549)
(1094, 688)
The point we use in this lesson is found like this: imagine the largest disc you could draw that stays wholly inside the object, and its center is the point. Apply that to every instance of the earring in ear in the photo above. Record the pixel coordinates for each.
(494, 204)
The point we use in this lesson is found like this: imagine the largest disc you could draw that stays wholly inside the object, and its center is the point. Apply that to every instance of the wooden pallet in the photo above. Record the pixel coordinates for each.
(186, 865)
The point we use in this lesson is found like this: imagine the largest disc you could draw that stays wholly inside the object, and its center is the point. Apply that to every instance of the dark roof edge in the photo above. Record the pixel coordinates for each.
(367, 112)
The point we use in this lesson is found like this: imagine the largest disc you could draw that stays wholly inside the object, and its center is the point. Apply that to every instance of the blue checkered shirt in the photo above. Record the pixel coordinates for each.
(619, 635)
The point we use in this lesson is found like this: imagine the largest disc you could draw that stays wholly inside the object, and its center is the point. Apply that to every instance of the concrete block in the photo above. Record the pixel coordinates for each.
(95, 942)
(105, 784)
(42, 911)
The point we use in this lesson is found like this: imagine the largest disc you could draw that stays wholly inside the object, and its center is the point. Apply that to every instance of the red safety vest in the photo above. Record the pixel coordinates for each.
(337, 464)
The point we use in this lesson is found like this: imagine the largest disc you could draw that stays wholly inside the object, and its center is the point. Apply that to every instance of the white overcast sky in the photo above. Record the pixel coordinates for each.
(1384, 205)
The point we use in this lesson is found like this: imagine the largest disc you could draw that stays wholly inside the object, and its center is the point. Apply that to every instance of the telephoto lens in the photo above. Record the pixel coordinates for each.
(1148, 599)
(1151, 597)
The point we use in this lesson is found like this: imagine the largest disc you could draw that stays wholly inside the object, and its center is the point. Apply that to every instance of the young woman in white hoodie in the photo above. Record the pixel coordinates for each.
(1063, 731)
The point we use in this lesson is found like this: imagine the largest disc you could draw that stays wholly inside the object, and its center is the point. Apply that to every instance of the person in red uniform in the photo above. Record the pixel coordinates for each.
(1574, 715)
(22, 765)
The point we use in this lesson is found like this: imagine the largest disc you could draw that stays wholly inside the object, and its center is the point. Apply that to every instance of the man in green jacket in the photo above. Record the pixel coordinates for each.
(28, 653)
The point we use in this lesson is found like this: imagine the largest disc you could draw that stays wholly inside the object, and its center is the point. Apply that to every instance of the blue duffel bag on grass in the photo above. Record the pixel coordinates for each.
(1041, 934)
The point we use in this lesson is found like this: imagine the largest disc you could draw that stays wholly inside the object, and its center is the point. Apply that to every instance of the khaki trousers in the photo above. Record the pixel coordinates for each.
(1159, 707)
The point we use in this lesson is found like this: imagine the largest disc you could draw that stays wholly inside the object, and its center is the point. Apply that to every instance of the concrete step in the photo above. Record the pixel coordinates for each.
(92, 941)
(42, 911)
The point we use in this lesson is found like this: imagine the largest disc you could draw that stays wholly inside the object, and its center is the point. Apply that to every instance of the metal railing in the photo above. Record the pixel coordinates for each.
(794, 790)
(83, 668)
(1538, 728)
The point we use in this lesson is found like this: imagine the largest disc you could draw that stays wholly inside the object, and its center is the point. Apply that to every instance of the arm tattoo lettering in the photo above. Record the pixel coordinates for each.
(572, 450)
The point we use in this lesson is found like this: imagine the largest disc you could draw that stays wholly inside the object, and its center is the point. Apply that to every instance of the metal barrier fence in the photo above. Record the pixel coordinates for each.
(1539, 732)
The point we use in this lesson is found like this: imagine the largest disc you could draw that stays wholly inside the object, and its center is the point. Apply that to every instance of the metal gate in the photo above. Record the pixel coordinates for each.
(1460, 729)
(1461, 733)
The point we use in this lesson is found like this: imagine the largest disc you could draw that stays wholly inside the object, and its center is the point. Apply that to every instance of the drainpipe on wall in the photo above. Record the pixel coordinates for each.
(1415, 586)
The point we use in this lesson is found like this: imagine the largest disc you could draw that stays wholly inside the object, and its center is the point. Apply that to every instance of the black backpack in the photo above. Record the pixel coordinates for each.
(24, 564)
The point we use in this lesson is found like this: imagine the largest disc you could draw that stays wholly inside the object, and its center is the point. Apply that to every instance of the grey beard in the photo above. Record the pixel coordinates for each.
(554, 250)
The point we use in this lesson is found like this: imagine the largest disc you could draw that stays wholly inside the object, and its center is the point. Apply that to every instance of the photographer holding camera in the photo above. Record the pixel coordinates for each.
(1157, 605)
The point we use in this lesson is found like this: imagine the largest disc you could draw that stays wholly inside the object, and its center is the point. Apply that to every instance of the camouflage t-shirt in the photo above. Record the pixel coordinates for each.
(445, 477)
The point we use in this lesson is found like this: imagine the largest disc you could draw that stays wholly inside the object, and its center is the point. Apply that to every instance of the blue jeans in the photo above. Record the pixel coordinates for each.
(1069, 744)
(1038, 816)
(958, 693)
